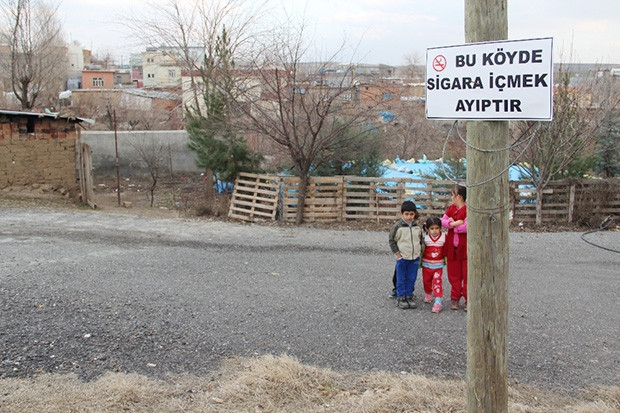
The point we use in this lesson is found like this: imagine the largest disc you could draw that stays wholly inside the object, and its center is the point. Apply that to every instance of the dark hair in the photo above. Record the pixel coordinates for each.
(460, 190)
(432, 221)
(409, 206)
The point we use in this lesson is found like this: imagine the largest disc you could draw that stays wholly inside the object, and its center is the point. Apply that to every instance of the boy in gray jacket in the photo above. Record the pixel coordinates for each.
(406, 242)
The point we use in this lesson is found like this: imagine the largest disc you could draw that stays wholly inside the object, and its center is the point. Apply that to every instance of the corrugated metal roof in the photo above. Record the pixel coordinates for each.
(156, 94)
(46, 115)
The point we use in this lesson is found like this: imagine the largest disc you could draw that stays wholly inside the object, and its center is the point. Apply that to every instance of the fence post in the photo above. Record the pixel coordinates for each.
(400, 191)
(342, 214)
(374, 198)
(571, 202)
(512, 196)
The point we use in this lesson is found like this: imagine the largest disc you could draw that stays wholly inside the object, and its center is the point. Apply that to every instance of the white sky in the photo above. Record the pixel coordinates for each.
(384, 31)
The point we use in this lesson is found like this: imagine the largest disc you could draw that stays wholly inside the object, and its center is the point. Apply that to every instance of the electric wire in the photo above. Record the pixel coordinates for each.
(602, 227)
(453, 180)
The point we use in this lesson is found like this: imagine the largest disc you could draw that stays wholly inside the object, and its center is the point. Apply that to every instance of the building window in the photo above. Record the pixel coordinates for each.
(172, 73)
(150, 60)
(97, 82)
(388, 96)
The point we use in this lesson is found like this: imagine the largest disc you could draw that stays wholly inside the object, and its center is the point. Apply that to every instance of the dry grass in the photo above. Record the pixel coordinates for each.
(275, 384)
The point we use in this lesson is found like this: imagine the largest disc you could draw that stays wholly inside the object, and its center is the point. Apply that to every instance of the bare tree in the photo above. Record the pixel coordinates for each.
(164, 113)
(153, 117)
(104, 60)
(413, 68)
(187, 31)
(154, 155)
(37, 61)
(553, 147)
(410, 134)
(306, 109)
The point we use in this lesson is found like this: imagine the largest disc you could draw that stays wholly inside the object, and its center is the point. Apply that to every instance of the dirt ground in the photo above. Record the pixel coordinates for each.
(186, 196)
(183, 196)
(173, 197)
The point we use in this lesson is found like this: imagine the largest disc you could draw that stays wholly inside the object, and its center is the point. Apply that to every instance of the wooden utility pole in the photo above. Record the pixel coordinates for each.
(488, 252)
(118, 170)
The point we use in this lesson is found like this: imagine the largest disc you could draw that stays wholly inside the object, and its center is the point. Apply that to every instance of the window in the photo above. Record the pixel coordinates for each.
(97, 82)
(388, 96)
(172, 73)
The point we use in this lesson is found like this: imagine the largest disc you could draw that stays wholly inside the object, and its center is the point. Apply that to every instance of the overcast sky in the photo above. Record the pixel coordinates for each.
(384, 31)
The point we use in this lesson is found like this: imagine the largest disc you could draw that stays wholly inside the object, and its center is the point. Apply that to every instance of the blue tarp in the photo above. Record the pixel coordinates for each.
(387, 116)
(405, 169)
(399, 169)
(415, 170)
(223, 187)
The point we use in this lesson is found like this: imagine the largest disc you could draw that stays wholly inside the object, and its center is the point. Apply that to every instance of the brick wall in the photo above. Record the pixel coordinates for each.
(37, 150)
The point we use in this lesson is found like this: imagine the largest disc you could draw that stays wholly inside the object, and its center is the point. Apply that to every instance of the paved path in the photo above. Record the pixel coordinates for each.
(89, 292)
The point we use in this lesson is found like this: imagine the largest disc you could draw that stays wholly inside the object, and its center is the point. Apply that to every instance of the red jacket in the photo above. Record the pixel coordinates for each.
(459, 252)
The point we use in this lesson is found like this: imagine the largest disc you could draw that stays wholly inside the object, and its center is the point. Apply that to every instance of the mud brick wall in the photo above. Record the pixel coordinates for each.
(37, 150)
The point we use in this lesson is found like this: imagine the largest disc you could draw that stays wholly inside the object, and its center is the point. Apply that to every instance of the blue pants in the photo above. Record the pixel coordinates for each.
(406, 274)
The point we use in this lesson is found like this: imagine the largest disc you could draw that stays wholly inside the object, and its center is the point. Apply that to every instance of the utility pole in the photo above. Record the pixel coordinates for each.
(488, 250)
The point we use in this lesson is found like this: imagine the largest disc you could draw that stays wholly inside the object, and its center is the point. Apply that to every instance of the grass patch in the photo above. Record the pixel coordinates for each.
(276, 384)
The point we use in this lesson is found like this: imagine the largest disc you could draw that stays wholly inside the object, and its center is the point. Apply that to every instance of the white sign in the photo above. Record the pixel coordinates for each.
(504, 80)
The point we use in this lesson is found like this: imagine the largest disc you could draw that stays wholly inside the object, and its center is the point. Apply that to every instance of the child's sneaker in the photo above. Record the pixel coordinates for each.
(402, 303)
(428, 298)
(393, 293)
(436, 308)
(411, 302)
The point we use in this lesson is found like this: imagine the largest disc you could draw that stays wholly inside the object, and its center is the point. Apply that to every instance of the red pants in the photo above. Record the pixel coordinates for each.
(457, 275)
(432, 278)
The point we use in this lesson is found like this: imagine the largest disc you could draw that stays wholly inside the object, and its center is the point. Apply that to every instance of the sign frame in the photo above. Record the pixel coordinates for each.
(497, 80)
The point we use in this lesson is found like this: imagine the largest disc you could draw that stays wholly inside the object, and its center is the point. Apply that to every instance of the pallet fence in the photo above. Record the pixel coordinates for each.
(255, 197)
(342, 198)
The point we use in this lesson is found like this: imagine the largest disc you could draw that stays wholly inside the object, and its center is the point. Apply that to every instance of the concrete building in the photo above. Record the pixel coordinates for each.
(98, 79)
(160, 69)
(137, 73)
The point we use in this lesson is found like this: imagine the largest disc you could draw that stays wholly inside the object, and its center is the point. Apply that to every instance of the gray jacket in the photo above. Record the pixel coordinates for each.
(408, 240)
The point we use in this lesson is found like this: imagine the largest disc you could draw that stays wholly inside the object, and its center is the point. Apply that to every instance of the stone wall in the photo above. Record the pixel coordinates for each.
(37, 150)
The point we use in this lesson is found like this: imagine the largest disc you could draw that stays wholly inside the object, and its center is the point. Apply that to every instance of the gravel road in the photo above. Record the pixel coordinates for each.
(90, 292)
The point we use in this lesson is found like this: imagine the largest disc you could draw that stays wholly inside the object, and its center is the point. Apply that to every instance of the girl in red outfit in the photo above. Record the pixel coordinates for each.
(432, 262)
(455, 219)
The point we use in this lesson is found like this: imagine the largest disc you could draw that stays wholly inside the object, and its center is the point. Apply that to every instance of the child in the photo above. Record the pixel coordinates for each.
(433, 262)
(455, 219)
(393, 292)
(406, 242)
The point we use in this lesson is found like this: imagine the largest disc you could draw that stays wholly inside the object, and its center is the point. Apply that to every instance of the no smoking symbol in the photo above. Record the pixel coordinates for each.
(439, 63)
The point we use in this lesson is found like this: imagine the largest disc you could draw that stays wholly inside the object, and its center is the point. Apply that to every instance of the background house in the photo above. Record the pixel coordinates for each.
(98, 79)
(160, 69)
